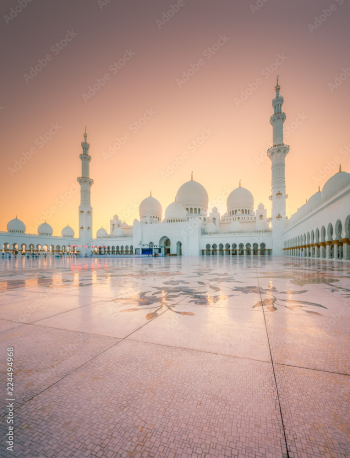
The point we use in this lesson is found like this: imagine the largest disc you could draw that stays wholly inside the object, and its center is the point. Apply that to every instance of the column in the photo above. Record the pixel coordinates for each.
(345, 249)
(317, 250)
(335, 250)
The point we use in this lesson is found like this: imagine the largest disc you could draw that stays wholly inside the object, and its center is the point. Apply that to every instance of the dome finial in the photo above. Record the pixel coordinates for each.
(85, 134)
(192, 176)
(319, 189)
(240, 183)
(175, 198)
(150, 193)
(339, 168)
(277, 87)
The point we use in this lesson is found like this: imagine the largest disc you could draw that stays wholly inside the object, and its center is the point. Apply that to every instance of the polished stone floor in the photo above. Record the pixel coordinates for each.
(177, 357)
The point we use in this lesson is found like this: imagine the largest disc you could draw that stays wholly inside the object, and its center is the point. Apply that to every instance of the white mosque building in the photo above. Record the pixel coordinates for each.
(319, 229)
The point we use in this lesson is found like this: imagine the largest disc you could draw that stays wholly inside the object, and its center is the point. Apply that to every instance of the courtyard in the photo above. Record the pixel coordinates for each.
(176, 357)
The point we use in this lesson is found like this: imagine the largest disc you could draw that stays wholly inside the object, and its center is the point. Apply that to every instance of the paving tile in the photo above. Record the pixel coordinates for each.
(43, 355)
(139, 399)
(315, 407)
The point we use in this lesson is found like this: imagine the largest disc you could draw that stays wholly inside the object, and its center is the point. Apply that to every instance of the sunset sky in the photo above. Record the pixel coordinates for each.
(164, 88)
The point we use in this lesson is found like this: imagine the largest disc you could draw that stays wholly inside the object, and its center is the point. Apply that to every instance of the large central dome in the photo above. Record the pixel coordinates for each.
(240, 198)
(192, 194)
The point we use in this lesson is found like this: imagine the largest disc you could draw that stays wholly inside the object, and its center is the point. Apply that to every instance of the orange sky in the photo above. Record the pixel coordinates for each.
(224, 45)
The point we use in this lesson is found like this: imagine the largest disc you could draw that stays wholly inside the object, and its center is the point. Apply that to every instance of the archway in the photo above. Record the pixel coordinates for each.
(164, 244)
(179, 249)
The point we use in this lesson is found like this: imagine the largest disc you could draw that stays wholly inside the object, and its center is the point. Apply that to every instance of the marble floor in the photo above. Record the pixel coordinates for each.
(177, 357)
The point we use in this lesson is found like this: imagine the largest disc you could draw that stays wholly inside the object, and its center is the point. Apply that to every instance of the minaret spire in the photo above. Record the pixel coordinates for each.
(85, 209)
(278, 154)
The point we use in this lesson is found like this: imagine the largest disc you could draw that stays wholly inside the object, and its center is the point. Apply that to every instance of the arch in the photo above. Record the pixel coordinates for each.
(323, 234)
(317, 235)
(338, 229)
(45, 248)
(347, 227)
(207, 249)
(221, 249)
(262, 248)
(165, 245)
(131, 249)
(330, 232)
(179, 249)
(23, 247)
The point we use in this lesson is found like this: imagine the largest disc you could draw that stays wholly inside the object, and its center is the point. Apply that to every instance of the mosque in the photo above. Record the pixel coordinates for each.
(319, 229)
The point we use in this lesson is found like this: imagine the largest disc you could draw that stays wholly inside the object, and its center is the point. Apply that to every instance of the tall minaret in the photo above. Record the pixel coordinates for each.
(85, 209)
(277, 154)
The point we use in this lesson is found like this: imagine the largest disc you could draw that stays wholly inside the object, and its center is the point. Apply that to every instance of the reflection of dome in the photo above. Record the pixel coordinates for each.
(152, 206)
(209, 228)
(101, 233)
(16, 225)
(67, 232)
(45, 229)
(261, 225)
(240, 198)
(118, 232)
(334, 183)
(175, 211)
(235, 226)
(314, 200)
(192, 194)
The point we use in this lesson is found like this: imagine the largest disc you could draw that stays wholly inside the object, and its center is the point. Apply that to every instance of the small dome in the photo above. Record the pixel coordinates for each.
(301, 211)
(67, 232)
(210, 228)
(240, 198)
(16, 225)
(152, 206)
(45, 229)
(192, 194)
(101, 233)
(235, 226)
(335, 182)
(215, 210)
(175, 211)
(118, 232)
(314, 200)
(125, 225)
(261, 225)
(261, 207)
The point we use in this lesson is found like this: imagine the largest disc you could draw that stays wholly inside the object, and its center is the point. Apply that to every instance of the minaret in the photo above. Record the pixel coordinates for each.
(277, 154)
(85, 209)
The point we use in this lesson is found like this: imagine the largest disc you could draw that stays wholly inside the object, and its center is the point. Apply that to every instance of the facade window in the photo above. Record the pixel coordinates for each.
(195, 211)
(191, 211)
